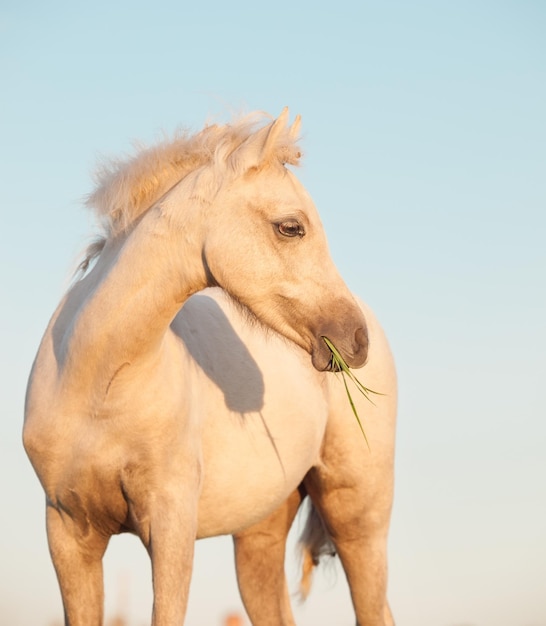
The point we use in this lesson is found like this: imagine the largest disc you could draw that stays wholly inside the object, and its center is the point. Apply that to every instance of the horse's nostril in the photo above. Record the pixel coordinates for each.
(361, 338)
(361, 347)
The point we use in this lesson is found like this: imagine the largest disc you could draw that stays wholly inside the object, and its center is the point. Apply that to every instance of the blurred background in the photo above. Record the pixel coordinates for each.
(231, 619)
(424, 136)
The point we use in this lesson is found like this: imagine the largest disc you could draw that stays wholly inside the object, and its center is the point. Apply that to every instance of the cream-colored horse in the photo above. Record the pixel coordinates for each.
(179, 416)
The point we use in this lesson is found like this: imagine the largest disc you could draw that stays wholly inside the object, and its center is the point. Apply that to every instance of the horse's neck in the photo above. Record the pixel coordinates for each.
(121, 311)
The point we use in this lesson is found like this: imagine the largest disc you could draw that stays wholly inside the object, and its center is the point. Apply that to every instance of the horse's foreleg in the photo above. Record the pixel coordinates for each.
(364, 560)
(358, 527)
(77, 551)
(171, 550)
(168, 530)
(259, 558)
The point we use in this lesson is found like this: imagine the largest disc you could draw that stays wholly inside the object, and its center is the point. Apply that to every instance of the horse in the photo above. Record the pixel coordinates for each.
(183, 388)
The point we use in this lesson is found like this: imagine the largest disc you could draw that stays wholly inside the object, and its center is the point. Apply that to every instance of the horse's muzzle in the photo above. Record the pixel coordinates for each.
(354, 351)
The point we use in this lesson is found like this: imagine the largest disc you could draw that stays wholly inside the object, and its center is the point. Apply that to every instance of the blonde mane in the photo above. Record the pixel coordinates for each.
(126, 188)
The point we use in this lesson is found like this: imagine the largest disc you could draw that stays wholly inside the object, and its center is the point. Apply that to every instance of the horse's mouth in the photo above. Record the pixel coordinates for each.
(333, 365)
(327, 357)
(323, 357)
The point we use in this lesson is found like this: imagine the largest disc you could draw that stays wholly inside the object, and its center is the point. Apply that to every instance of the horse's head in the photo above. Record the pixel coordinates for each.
(265, 245)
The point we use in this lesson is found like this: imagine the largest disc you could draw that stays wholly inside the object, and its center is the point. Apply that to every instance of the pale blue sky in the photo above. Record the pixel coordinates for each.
(425, 149)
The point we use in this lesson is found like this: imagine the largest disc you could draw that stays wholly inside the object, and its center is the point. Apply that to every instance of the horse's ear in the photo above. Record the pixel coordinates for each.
(261, 146)
(294, 130)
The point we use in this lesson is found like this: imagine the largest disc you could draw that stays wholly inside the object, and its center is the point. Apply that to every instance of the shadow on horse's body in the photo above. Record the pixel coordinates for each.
(156, 408)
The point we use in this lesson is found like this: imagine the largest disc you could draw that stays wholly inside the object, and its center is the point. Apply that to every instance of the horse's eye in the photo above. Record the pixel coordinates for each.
(291, 228)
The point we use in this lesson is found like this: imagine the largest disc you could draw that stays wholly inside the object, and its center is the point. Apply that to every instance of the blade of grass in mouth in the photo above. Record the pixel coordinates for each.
(339, 365)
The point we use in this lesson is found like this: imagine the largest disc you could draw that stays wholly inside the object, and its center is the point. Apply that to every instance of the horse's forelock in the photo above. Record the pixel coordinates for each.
(127, 187)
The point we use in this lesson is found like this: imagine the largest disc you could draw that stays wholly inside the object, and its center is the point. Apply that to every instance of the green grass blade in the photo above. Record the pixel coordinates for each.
(340, 362)
(353, 407)
(341, 366)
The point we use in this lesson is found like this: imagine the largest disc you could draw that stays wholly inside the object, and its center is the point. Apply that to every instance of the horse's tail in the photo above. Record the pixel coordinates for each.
(314, 543)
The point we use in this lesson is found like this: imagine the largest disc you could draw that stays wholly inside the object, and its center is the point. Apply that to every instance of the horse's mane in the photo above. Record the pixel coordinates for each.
(127, 187)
